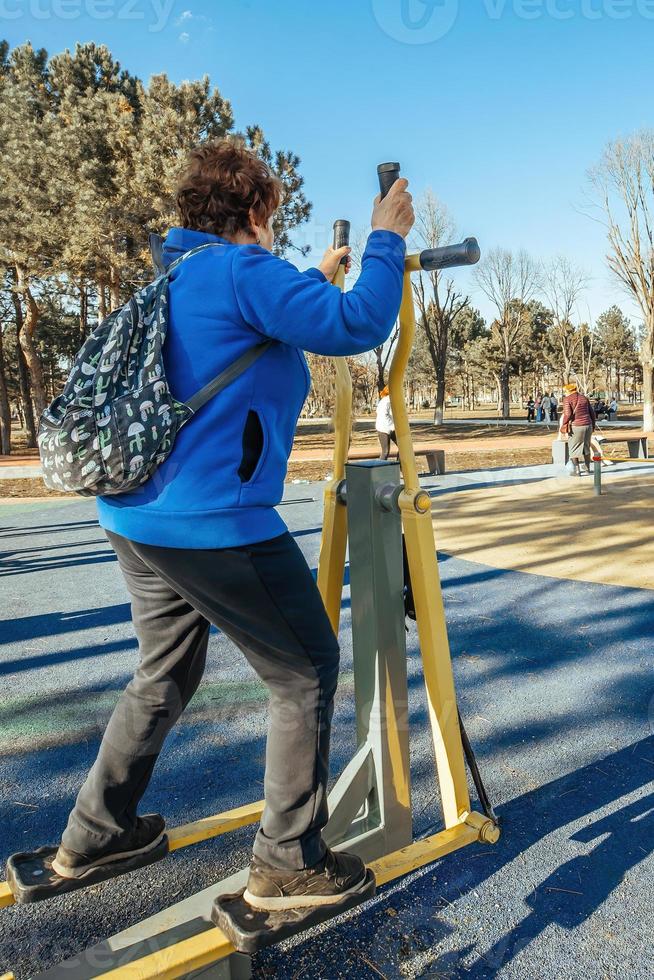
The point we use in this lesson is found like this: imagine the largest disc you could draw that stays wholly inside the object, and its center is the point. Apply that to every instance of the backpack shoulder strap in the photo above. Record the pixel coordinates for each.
(230, 373)
(226, 377)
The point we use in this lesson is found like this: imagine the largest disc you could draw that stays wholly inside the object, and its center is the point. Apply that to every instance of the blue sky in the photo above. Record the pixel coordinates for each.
(500, 106)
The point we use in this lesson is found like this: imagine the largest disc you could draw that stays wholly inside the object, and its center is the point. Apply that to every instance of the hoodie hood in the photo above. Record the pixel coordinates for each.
(181, 240)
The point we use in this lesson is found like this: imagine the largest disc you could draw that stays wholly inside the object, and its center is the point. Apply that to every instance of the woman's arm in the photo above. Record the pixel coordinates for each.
(305, 312)
(315, 273)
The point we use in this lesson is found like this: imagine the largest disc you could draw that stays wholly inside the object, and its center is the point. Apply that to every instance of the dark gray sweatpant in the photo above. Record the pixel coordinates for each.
(263, 596)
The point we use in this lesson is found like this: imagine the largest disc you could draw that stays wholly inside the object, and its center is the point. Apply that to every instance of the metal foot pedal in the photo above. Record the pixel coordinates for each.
(250, 929)
(31, 878)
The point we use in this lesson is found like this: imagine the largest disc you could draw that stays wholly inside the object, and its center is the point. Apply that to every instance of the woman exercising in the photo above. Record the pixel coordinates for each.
(202, 543)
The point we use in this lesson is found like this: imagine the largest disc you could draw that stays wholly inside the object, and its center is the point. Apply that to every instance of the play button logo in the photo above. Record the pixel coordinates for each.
(416, 21)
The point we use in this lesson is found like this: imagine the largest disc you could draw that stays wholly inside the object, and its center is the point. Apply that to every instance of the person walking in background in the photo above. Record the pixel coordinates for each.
(384, 423)
(554, 407)
(578, 422)
(546, 406)
(531, 410)
(539, 406)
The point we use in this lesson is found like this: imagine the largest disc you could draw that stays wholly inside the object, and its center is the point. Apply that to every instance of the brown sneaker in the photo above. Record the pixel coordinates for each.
(338, 874)
(147, 834)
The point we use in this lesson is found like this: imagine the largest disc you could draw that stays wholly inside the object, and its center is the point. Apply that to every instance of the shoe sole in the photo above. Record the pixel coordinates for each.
(31, 878)
(250, 929)
(74, 874)
(286, 904)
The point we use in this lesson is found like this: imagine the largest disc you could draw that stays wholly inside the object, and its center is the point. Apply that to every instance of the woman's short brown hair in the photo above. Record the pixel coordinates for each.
(222, 184)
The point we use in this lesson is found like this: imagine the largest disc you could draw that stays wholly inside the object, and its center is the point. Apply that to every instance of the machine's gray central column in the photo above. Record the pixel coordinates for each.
(379, 644)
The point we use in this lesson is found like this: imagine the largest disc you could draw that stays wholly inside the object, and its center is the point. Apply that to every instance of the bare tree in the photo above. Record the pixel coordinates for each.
(563, 283)
(624, 185)
(587, 341)
(509, 280)
(437, 299)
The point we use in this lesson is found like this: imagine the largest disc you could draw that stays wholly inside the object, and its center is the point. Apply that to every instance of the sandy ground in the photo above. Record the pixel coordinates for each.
(557, 527)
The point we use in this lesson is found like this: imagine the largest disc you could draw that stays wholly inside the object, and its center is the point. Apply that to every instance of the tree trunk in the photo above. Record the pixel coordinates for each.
(102, 299)
(114, 289)
(648, 393)
(83, 313)
(24, 378)
(438, 343)
(439, 409)
(5, 412)
(26, 340)
(380, 368)
(505, 391)
(439, 405)
(648, 376)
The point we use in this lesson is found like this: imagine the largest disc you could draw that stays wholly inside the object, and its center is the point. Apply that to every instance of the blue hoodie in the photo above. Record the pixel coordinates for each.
(225, 475)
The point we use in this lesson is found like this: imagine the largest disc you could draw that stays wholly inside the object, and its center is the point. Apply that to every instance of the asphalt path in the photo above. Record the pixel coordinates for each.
(555, 681)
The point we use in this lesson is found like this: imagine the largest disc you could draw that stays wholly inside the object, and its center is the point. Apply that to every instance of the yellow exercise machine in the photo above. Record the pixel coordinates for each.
(379, 509)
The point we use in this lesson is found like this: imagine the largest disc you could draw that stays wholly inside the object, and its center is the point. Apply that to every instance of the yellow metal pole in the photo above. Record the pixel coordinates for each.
(178, 960)
(415, 506)
(6, 895)
(333, 545)
(208, 827)
(212, 945)
(186, 834)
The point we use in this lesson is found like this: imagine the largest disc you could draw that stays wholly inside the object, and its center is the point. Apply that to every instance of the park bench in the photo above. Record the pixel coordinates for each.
(435, 458)
(637, 444)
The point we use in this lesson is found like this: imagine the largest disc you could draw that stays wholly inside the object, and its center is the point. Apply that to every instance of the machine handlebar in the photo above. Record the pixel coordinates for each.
(466, 253)
(432, 259)
(341, 236)
(388, 174)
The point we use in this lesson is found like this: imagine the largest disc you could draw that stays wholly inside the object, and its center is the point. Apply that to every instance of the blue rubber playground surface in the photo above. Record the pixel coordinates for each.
(556, 685)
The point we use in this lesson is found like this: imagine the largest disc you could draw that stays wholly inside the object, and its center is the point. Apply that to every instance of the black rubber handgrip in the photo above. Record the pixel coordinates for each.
(342, 236)
(388, 174)
(467, 253)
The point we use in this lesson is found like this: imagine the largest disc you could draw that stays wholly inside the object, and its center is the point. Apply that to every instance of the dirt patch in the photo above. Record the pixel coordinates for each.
(318, 437)
(29, 487)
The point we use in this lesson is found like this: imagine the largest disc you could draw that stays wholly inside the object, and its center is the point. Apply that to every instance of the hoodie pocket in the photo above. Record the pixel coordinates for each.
(255, 446)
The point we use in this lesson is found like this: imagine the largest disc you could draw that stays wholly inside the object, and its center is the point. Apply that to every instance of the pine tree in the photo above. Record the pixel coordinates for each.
(89, 160)
(30, 209)
(615, 346)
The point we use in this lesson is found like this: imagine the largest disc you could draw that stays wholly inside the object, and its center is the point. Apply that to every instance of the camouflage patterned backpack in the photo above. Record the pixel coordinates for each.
(116, 419)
